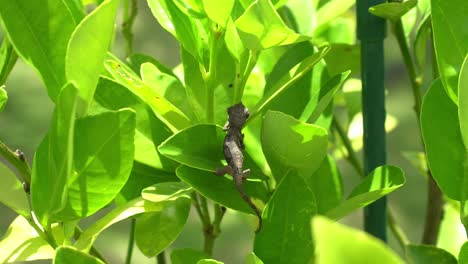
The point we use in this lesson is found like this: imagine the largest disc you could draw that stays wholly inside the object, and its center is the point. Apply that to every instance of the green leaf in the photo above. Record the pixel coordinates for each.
(155, 231)
(40, 38)
(164, 110)
(168, 86)
(260, 27)
(198, 146)
(423, 33)
(253, 259)
(329, 11)
(294, 74)
(187, 255)
(421, 254)
(22, 243)
(209, 261)
(8, 58)
(285, 236)
(290, 144)
(143, 176)
(380, 182)
(353, 246)
(137, 59)
(65, 255)
(52, 166)
(439, 120)
(87, 50)
(150, 131)
(166, 191)
(294, 99)
(463, 256)
(187, 30)
(3, 98)
(233, 41)
(304, 14)
(393, 11)
(342, 58)
(221, 189)
(450, 40)
(103, 160)
(122, 212)
(463, 103)
(327, 93)
(218, 11)
(12, 194)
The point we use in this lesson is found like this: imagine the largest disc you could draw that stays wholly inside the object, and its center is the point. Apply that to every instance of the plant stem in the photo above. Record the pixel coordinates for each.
(397, 231)
(244, 76)
(434, 209)
(18, 161)
(93, 251)
(131, 241)
(210, 230)
(351, 157)
(410, 67)
(161, 257)
(129, 13)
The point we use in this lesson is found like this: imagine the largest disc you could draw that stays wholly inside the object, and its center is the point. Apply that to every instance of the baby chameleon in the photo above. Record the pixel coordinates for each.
(233, 146)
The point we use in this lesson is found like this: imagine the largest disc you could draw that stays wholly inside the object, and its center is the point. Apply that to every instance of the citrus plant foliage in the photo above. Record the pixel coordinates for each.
(149, 138)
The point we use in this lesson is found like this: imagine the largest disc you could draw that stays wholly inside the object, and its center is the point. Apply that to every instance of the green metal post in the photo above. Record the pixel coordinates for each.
(371, 32)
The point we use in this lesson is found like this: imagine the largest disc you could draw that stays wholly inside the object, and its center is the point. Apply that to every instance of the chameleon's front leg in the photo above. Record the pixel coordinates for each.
(224, 170)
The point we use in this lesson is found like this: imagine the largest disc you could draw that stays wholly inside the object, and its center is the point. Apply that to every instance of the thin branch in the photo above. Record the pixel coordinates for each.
(129, 13)
(18, 160)
(131, 241)
(161, 257)
(434, 208)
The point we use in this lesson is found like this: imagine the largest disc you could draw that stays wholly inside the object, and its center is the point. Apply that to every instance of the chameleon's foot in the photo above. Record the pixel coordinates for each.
(245, 175)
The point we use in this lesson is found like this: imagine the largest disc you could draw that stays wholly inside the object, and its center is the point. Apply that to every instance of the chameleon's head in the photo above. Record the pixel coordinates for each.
(238, 114)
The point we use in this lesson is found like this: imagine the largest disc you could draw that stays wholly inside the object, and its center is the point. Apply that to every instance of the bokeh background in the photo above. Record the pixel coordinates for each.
(26, 118)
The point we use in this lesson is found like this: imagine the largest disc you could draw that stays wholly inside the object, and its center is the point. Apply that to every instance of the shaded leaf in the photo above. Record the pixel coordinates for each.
(221, 189)
(3, 98)
(155, 231)
(285, 236)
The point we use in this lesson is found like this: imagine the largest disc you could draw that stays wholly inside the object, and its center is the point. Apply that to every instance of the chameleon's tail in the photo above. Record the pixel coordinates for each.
(252, 205)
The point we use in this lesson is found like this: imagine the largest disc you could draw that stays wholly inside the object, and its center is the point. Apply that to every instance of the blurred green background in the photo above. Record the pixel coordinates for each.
(25, 121)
